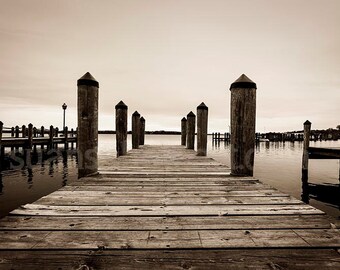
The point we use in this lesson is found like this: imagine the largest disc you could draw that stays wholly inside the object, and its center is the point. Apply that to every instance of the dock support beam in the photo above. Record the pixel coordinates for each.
(87, 141)
(191, 121)
(243, 117)
(1, 151)
(135, 130)
(121, 128)
(202, 129)
(183, 131)
(306, 135)
(142, 131)
(66, 138)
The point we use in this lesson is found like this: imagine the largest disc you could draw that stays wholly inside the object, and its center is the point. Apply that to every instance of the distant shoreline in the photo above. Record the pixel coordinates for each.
(157, 132)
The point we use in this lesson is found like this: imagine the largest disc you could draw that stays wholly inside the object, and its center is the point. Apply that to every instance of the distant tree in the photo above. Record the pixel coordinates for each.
(338, 127)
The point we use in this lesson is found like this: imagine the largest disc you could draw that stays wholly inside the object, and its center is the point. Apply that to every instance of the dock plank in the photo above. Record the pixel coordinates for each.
(164, 207)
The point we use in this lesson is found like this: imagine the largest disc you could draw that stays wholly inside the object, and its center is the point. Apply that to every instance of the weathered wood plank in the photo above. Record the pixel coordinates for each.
(212, 193)
(179, 239)
(171, 210)
(52, 223)
(294, 259)
(168, 188)
(139, 200)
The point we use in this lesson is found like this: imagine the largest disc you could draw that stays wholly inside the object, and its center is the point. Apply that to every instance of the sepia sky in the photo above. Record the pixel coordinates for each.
(164, 57)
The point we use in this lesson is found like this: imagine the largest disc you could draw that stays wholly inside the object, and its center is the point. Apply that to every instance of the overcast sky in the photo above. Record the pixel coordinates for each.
(164, 57)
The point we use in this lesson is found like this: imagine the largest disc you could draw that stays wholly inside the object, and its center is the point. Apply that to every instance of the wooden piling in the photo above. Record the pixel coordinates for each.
(183, 131)
(2, 152)
(57, 132)
(17, 133)
(23, 131)
(135, 130)
(12, 135)
(121, 128)
(28, 147)
(243, 117)
(142, 131)
(191, 120)
(66, 138)
(87, 143)
(50, 143)
(305, 155)
(202, 129)
(30, 136)
(42, 134)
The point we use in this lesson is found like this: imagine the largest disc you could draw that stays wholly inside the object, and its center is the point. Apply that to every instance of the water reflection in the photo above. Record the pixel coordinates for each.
(21, 184)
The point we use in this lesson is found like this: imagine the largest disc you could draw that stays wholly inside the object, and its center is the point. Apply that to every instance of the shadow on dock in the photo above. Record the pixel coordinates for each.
(327, 193)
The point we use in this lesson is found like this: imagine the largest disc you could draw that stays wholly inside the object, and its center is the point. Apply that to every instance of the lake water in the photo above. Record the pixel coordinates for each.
(276, 163)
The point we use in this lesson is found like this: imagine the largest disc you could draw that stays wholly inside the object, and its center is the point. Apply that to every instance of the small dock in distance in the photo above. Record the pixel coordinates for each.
(164, 207)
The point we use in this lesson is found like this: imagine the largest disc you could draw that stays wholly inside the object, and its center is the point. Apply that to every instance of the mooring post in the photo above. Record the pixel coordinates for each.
(23, 130)
(87, 144)
(183, 131)
(121, 128)
(42, 134)
(28, 147)
(66, 138)
(135, 130)
(305, 156)
(34, 136)
(243, 117)
(142, 131)
(57, 132)
(12, 135)
(191, 121)
(17, 134)
(202, 129)
(50, 144)
(2, 151)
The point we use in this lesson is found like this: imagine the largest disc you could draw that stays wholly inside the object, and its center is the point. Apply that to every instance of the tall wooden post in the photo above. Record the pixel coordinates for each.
(306, 135)
(17, 131)
(202, 129)
(135, 130)
(87, 144)
(121, 128)
(1, 148)
(191, 121)
(243, 117)
(23, 130)
(50, 143)
(142, 131)
(28, 147)
(183, 131)
(12, 135)
(42, 134)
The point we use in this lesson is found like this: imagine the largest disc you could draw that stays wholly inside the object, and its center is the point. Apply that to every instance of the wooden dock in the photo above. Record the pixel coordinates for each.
(163, 207)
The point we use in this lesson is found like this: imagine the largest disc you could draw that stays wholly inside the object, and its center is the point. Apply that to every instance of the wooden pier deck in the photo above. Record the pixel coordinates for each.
(163, 207)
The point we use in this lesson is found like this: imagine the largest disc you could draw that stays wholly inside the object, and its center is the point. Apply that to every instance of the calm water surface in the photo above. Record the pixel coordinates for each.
(276, 163)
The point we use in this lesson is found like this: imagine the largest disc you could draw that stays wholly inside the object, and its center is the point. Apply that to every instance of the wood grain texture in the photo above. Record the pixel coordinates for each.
(163, 207)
